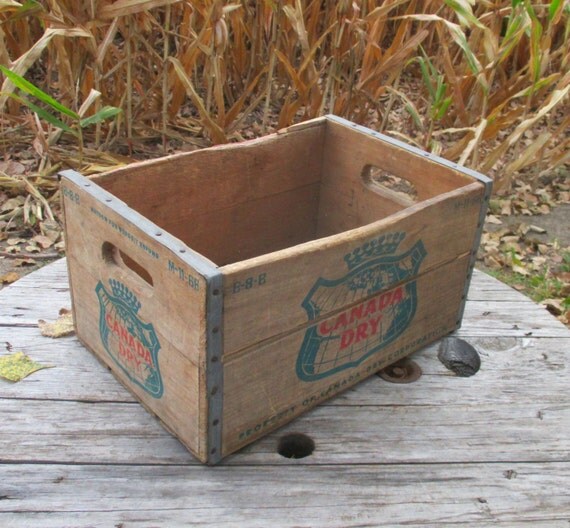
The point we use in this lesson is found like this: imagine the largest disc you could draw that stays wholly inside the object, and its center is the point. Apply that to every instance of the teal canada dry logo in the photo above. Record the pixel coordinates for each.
(131, 343)
(380, 307)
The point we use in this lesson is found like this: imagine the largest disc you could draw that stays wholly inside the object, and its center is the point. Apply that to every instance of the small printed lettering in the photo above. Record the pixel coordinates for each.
(346, 382)
(183, 275)
(124, 232)
(72, 195)
(468, 202)
(250, 282)
(272, 420)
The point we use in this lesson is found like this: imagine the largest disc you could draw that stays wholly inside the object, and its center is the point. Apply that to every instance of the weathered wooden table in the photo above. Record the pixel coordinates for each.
(489, 450)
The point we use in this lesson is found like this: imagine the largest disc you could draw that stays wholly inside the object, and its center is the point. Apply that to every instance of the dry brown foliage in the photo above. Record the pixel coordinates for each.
(484, 83)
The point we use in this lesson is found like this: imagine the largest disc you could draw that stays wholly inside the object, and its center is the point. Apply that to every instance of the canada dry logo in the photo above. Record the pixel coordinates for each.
(131, 343)
(377, 314)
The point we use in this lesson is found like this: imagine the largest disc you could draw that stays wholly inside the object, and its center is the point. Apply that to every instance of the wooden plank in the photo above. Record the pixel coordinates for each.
(165, 518)
(509, 319)
(123, 433)
(483, 290)
(488, 450)
(486, 282)
(417, 495)
(525, 370)
(36, 297)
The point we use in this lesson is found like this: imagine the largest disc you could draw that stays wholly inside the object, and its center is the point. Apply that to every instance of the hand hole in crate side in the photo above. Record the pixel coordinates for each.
(389, 185)
(112, 255)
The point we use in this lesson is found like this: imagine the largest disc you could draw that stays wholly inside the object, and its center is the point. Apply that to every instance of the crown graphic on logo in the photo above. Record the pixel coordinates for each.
(383, 245)
(126, 295)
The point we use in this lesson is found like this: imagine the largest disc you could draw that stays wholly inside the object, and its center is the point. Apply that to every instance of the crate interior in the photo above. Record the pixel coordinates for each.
(240, 201)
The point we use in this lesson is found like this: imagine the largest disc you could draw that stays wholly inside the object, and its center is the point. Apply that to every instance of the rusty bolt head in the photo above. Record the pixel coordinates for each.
(403, 371)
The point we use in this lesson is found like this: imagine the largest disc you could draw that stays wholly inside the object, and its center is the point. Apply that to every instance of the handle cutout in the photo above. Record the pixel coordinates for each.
(114, 256)
(389, 185)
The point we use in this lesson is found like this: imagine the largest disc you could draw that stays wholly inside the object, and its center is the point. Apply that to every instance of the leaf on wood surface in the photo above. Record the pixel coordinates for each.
(15, 367)
(9, 278)
(60, 328)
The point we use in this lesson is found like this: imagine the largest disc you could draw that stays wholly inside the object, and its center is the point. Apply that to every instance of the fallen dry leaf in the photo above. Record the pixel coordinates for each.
(50, 229)
(554, 306)
(520, 270)
(506, 208)
(15, 367)
(20, 263)
(44, 241)
(60, 328)
(12, 168)
(33, 249)
(12, 203)
(492, 219)
(9, 278)
(15, 241)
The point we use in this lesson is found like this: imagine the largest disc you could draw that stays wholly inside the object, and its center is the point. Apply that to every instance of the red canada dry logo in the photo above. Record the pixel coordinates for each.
(131, 343)
(381, 307)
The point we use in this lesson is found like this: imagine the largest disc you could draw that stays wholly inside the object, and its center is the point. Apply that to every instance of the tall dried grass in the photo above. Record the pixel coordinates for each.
(464, 78)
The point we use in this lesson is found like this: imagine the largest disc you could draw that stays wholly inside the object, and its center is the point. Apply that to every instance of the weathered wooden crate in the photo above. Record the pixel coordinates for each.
(233, 288)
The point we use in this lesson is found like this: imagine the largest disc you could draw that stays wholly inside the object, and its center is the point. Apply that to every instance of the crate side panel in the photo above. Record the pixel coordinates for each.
(176, 189)
(151, 337)
(347, 151)
(253, 228)
(276, 381)
(348, 202)
(269, 296)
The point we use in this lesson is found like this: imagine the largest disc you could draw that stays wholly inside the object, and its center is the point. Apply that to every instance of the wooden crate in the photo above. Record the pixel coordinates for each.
(233, 288)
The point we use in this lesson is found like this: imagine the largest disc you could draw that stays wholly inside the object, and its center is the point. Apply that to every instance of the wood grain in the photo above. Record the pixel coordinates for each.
(490, 450)
(234, 201)
(410, 495)
(93, 225)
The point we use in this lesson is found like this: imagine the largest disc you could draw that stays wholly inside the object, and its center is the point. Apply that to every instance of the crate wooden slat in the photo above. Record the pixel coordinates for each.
(233, 288)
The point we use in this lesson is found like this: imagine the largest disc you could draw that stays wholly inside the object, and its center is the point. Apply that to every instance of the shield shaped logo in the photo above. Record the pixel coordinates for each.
(378, 305)
(132, 343)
